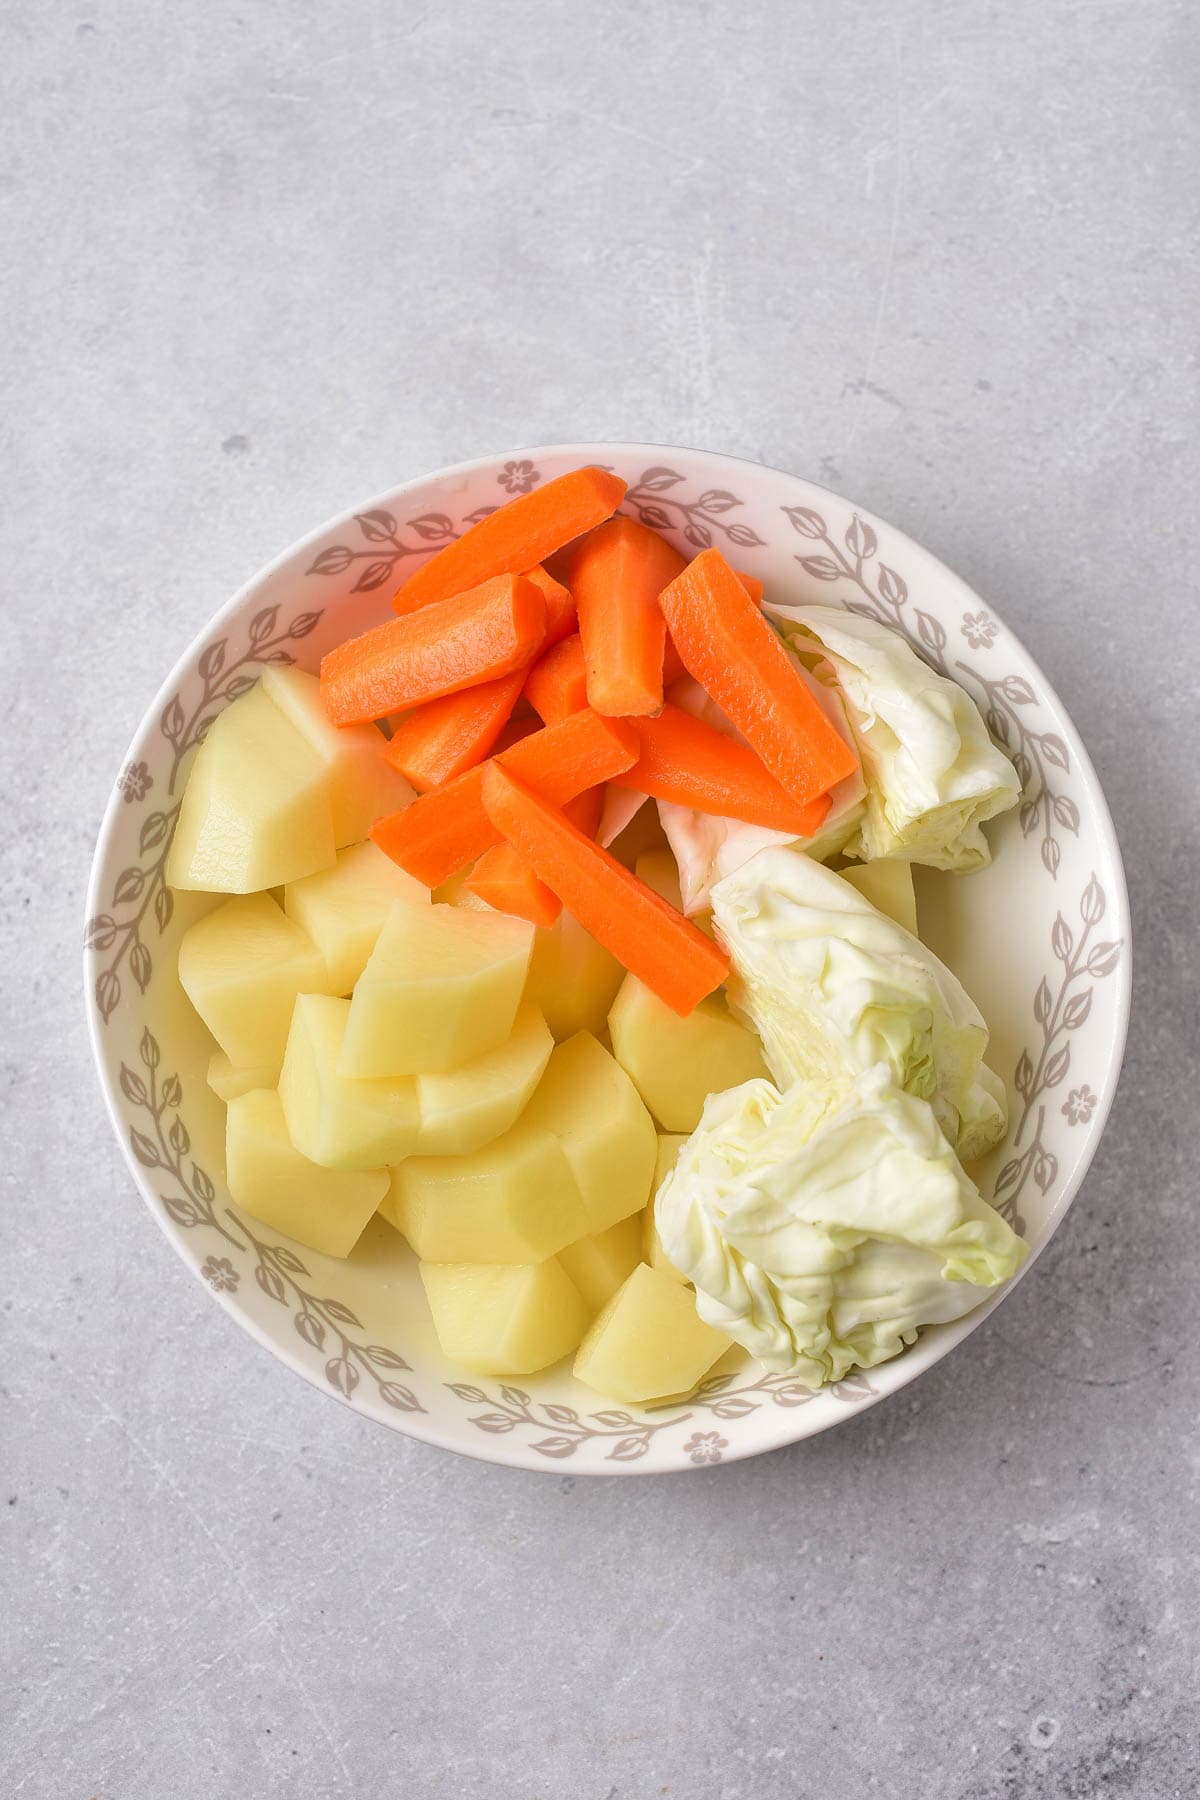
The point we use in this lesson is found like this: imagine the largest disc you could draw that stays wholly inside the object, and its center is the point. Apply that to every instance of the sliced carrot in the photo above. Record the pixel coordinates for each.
(646, 935)
(560, 605)
(444, 829)
(729, 648)
(557, 683)
(693, 764)
(673, 667)
(477, 636)
(442, 738)
(617, 573)
(515, 730)
(510, 885)
(516, 537)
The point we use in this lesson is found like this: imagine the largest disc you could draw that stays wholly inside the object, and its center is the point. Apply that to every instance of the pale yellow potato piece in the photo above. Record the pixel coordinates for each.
(326, 1209)
(362, 786)
(441, 988)
(343, 909)
(652, 1251)
(591, 1106)
(598, 1265)
(337, 1122)
(659, 870)
(504, 1320)
(242, 967)
(649, 1341)
(465, 1109)
(255, 811)
(675, 1063)
(888, 885)
(227, 1081)
(572, 978)
(515, 1201)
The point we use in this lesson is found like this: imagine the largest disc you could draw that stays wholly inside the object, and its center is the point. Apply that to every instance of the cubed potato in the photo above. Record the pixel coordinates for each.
(326, 1209)
(255, 811)
(659, 870)
(677, 1063)
(888, 885)
(466, 1108)
(572, 978)
(335, 1121)
(343, 909)
(242, 967)
(515, 1201)
(227, 1081)
(504, 1320)
(590, 1105)
(441, 988)
(362, 786)
(652, 1251)
(598, 1265)
(649, 1341)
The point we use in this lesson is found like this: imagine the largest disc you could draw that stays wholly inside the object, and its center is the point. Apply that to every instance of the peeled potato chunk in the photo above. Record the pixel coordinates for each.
(591, 1107)
(242, 967)
(332, 1120)
(227, 1081)
(441, 988)
(598, 1265)
(362, 787)
(504, 1320)
(514, 1201)
(677, 1063)
(572, 978)
(649, 1341)
(652, 1251)
(323, 1208)
(255, 812)
(466, 1108)
(888, 885)
(343, 909)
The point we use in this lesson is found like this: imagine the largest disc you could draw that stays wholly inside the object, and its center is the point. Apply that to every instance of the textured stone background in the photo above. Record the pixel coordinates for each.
(264, 259)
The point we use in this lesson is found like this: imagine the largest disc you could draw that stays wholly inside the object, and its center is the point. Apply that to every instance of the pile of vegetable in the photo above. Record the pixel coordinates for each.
(638, 1085)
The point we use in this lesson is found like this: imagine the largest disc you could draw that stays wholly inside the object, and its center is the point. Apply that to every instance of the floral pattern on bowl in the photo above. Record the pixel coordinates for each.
(1057, 996)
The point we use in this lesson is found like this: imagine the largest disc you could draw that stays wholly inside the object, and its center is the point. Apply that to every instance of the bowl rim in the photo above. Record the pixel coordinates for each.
(903, 1369)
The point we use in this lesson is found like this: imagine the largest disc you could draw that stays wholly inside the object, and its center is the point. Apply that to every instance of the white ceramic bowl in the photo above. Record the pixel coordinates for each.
(1041, 940)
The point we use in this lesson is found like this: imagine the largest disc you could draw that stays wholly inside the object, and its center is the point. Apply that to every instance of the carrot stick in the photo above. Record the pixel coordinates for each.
(617, 573)
(560, 605)
(510, 885)
(649, 937)
(444, 829)
(442, 738)
(557, 683)
(673, 667)
(687, 761)
(729, 648)
(516, 537)
(477, 636)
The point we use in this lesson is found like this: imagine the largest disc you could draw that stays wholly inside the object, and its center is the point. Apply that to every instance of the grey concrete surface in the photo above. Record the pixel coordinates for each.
(261, 260)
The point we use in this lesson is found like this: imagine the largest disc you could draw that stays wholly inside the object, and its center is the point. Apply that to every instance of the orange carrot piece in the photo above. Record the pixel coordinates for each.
(444, 829)
(442, 738)
(688, 761)
(508, 884)
(730, 649)
(516, 537)
(646, 935)
(557, 683)
(560, 605)
(673, 668)
(617, 574)
(477, 636)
